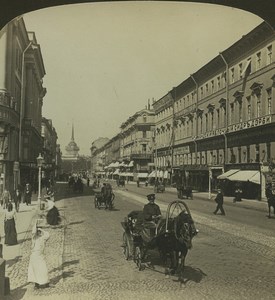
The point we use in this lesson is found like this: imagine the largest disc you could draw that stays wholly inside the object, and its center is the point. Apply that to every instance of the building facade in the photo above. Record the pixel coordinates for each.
(137, 139)
(21, 99)
(49, 148)
(221, 118)
(98, 156)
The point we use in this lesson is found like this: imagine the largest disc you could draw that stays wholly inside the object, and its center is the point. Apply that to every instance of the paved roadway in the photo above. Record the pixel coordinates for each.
(232, 256)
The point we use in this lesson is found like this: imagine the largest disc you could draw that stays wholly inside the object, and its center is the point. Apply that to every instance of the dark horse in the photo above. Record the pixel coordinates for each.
(174, 242)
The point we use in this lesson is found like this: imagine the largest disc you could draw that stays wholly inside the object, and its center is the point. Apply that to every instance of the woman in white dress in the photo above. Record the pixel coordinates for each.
(38, 271)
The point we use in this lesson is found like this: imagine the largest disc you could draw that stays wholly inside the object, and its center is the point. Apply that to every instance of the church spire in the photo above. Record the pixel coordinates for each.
(72, 132)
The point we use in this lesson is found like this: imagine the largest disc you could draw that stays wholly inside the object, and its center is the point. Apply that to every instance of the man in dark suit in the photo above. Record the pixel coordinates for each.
(17, 198)
(219, 201)
(151, 211)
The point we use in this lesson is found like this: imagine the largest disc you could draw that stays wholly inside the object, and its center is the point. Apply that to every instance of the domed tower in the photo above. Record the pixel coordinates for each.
(72, 149)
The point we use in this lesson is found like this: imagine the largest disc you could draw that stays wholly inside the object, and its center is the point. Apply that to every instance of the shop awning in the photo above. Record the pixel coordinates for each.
(116, 172)
(246, 175)
(142, 175)
(228, 173)
(152, 174)
(129, 174)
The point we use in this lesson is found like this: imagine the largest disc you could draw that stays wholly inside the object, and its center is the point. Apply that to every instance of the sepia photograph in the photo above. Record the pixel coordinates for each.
(137, 150)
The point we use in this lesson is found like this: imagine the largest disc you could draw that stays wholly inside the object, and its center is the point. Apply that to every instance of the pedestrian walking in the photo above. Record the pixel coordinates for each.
(27, 194)
(5, 198)
(88, 182)
(238, 194)
(17, 197)
(219, 201)
(37, 270)
(9, 226)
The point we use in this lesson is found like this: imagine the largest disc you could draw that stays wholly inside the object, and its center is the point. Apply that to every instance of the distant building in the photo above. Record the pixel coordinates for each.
(71, 155)
(98, 157)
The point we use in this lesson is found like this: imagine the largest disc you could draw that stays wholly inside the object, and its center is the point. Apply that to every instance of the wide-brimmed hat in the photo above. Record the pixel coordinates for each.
(151, 197)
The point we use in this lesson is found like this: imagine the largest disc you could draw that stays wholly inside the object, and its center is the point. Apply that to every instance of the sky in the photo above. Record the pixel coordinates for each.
(104, 61)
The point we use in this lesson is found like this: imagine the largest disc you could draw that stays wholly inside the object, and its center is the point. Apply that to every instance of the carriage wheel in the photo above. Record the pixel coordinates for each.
(138, 258)
(126, 246)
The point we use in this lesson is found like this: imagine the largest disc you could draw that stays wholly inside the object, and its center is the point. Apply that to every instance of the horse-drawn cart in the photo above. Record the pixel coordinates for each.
(171, 236)
(184, 192)
(102, 201)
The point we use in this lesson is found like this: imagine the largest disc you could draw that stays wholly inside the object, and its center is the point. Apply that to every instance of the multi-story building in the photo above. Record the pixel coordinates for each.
(222, 118)
(137, 139)
(98, 156)
(21, 99)
(49, 148)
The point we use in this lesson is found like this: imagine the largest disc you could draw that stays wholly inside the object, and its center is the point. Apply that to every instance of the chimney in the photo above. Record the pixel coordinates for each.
(148, 104)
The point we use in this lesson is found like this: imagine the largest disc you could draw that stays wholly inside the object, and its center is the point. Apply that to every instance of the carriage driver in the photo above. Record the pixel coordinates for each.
(151, 211)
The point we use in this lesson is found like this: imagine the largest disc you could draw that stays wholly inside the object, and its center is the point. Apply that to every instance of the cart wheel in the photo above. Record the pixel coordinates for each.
(126, 246)
(138, 258)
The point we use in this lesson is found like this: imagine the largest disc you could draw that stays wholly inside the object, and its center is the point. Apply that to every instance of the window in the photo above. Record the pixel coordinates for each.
(188, 100)
(258, 99)
(219, 82)
(144, 148)
(240, 70)
(144, 118)
(248, 108)
(269, 101)
(201, 92)
(269, 54)
(232, 112)
(218, 118)
(144, 133)
(206, 88)
(257, 152)
(248, 153)
(232, 75)
(212, 86)
(18, 60)
(258, 60)
(240, 112)
(212, 120)
(192, 97)
(206, 122)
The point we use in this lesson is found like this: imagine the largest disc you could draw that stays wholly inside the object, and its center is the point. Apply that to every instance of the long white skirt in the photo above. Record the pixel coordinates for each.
(38, 271)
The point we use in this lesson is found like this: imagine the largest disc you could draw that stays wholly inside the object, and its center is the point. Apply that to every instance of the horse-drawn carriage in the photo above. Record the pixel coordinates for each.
(104, 201)
(184, 192)
(171, 236)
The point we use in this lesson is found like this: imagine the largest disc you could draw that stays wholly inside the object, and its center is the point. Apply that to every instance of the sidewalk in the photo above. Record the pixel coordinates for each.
(17, 256)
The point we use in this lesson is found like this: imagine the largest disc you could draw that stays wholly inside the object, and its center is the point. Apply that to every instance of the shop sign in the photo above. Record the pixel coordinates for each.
(182, 150)
(211, 133)
(249, 124)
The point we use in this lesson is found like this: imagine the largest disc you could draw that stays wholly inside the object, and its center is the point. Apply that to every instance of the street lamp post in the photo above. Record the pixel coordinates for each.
(40, 161)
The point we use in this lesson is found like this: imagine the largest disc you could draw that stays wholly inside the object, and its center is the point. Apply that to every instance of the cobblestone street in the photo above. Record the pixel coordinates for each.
(85, 258)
